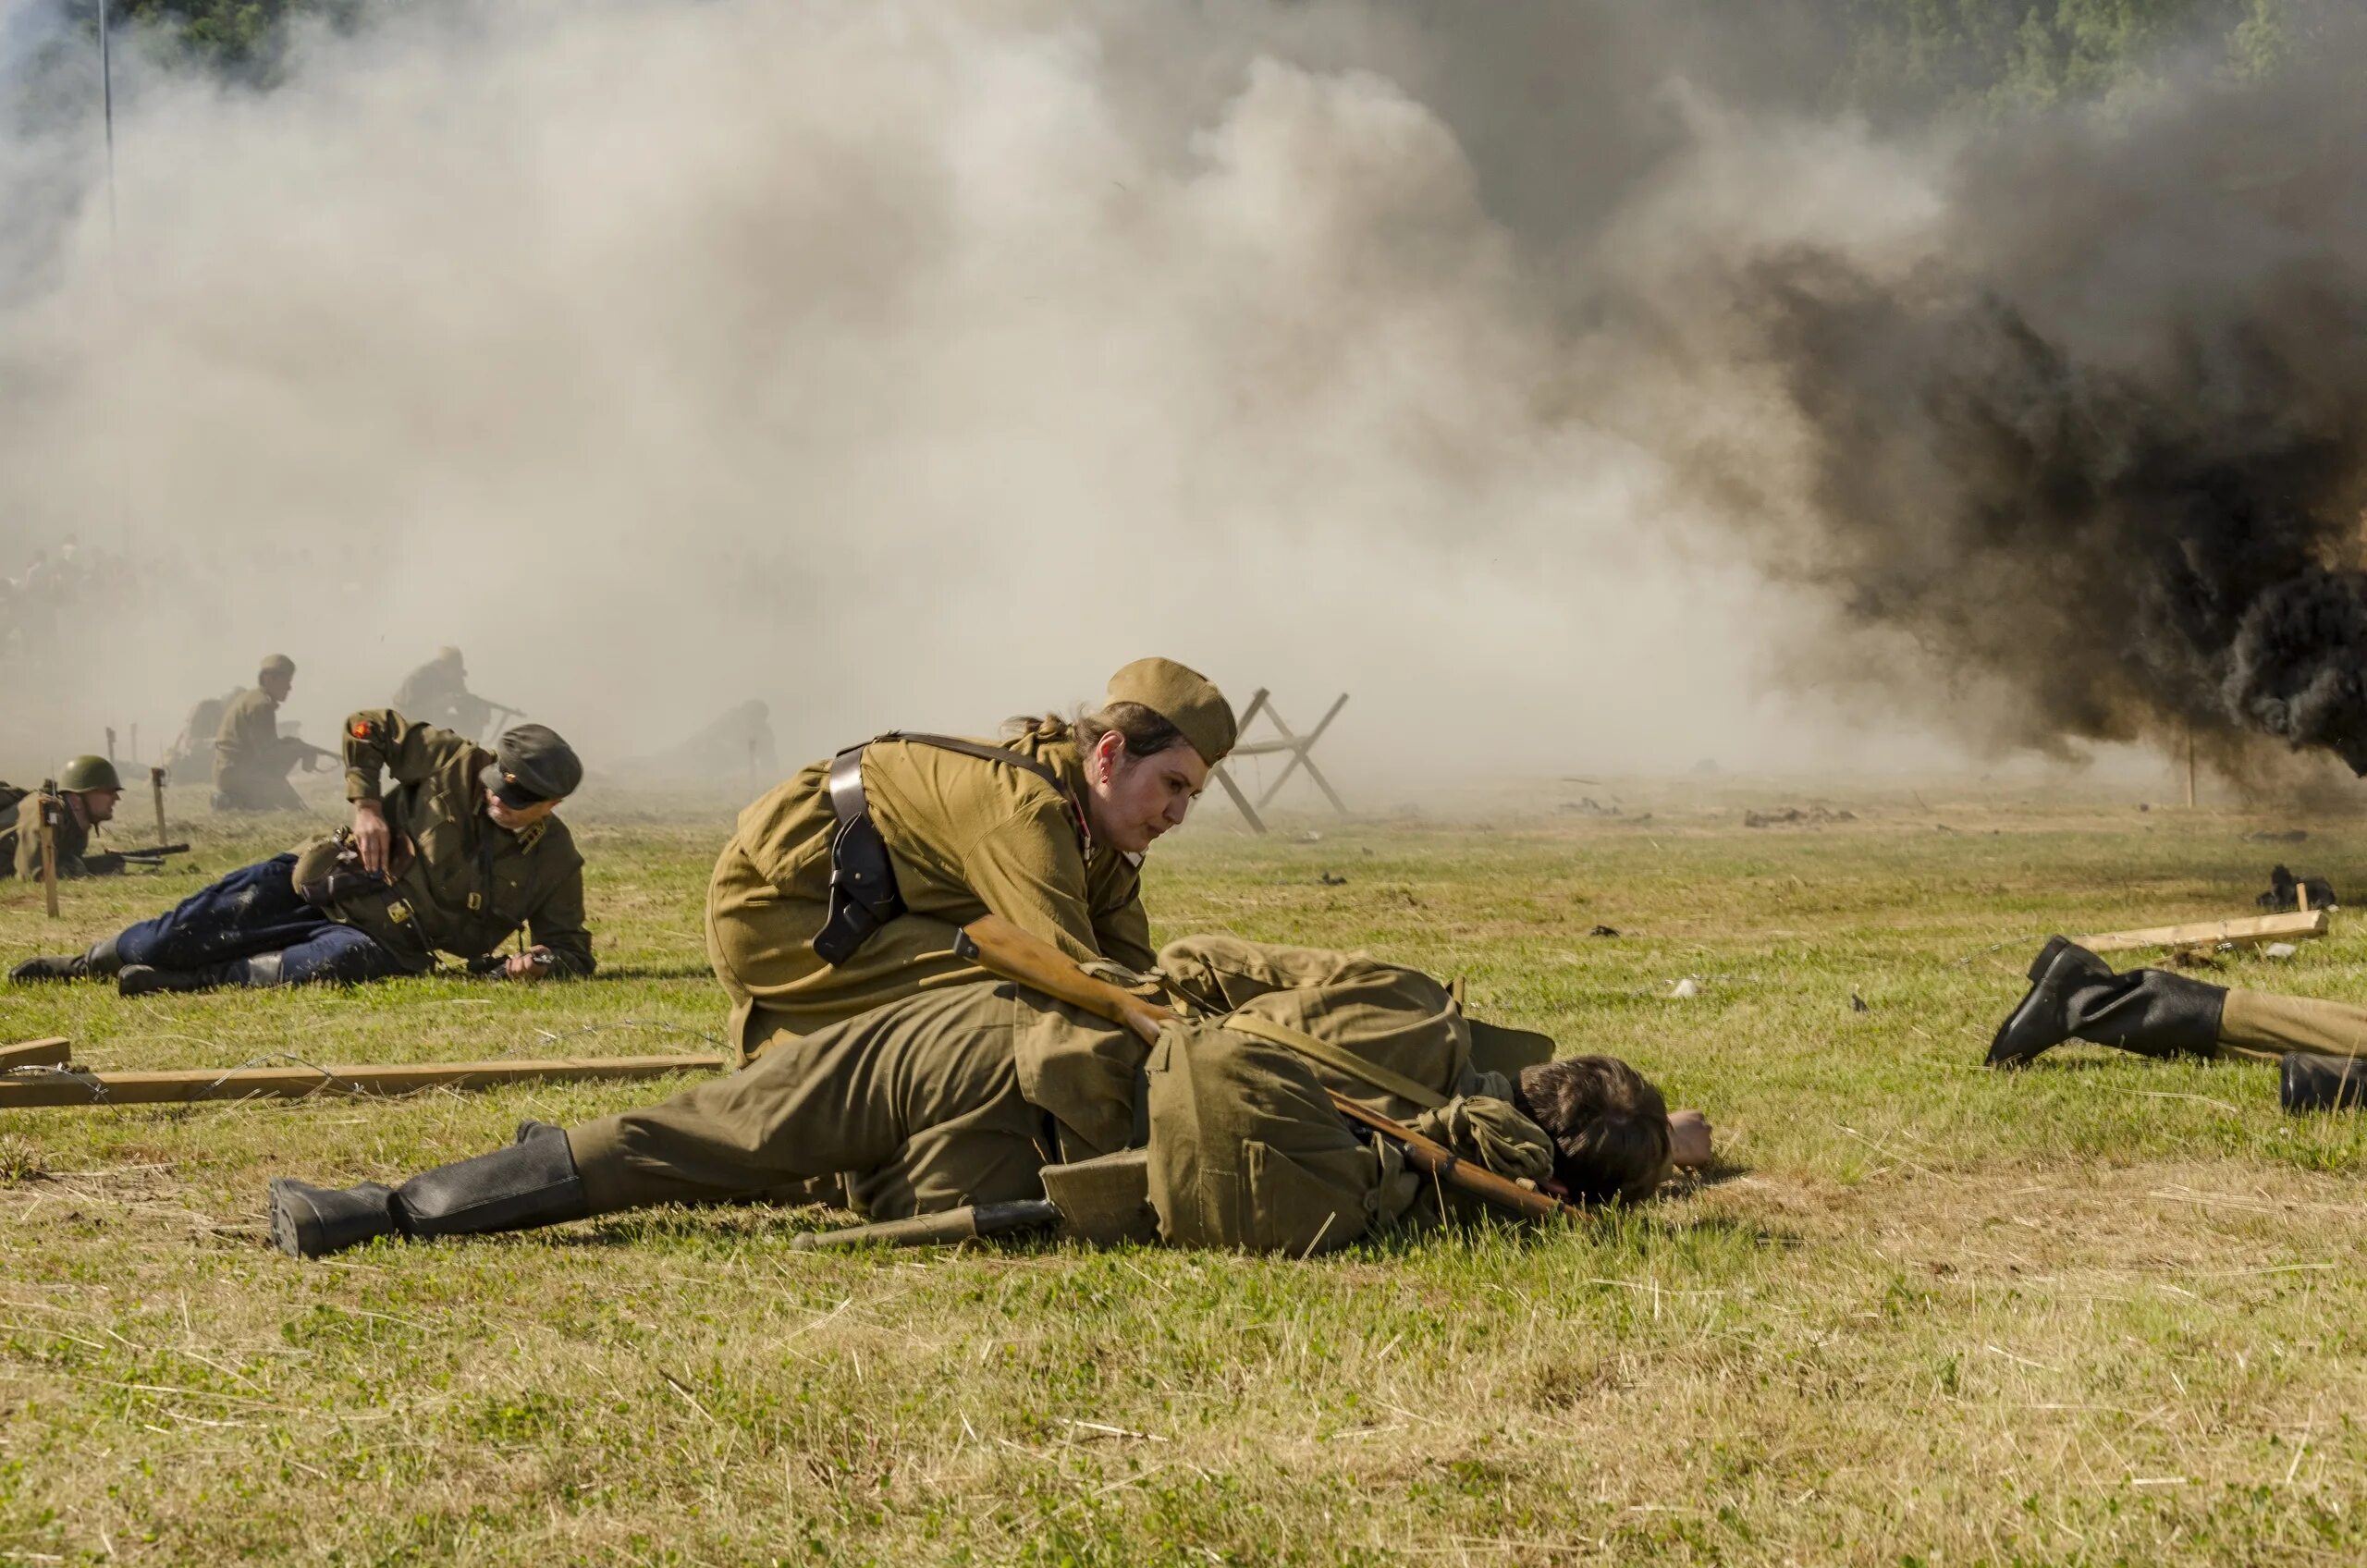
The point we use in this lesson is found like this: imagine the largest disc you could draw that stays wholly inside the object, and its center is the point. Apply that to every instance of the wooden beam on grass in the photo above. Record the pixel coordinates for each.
(55, 1051)
(281, 1080)
(2247, 932)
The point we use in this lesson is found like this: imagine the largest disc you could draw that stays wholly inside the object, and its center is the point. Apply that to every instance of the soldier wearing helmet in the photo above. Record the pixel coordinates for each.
(89, 790)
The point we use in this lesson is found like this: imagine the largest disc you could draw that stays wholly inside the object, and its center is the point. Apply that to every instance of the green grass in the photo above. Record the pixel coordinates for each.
(2103, 1311)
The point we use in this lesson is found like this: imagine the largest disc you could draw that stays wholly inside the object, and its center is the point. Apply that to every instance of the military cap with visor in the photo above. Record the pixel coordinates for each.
(532, 764)
(1183, 697)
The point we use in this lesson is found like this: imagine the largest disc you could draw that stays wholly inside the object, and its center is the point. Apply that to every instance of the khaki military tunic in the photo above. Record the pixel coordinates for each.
(964, 1094)
(965, 835)
(20, 842)
(251, 758)
(471, 882)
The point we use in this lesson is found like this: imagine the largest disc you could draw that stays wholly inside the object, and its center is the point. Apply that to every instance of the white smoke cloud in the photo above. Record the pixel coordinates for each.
(906, 363)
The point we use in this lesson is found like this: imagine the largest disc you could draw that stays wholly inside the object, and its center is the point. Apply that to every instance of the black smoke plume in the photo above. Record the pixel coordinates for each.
(2102, 441)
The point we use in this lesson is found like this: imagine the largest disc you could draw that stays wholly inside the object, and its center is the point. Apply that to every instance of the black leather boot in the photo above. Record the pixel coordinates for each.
(145, 980)
(309, 1221)
(532, 1182)
(2074, 995)
(141, 980)
(2306, 1080)
(100, 962)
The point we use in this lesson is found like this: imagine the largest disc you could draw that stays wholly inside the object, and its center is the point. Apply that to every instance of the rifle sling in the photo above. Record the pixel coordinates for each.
(1335, 1058)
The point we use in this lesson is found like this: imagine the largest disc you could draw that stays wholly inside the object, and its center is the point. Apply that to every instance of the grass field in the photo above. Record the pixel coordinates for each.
(2103, 1311)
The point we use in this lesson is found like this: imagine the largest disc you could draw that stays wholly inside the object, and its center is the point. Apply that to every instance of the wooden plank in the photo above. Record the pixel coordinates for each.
(283, 1082)
(55, 1051)
(2243, 933)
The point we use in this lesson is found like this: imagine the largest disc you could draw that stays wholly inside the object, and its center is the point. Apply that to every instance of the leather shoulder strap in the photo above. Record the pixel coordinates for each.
(984, 754)
(845, 785)
(1336, 1058)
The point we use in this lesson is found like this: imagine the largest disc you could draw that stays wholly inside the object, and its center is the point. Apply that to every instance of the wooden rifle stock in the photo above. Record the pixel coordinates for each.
(1008, 952)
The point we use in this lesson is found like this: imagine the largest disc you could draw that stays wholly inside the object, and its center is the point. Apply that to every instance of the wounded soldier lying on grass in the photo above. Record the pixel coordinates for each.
(966, 1096)
(2074, 995)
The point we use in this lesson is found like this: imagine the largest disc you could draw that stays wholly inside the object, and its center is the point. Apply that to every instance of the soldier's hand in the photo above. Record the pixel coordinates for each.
(371, 837)
(1688, 1140)
(533, 964)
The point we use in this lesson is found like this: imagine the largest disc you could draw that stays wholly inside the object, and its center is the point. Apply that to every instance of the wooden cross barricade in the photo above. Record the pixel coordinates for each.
(1296, 746)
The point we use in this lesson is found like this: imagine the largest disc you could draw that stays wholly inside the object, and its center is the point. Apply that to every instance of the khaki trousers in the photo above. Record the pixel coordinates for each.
(2259, 1024)
(919, 1101)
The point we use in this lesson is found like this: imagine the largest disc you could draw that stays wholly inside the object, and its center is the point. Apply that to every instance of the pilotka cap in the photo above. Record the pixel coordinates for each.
(532, 764)
(278, 664)
(1185, 698)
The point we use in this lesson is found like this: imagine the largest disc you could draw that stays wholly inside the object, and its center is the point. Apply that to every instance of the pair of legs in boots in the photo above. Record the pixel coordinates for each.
(2074, 995)
(920, 1098)
(250, 928)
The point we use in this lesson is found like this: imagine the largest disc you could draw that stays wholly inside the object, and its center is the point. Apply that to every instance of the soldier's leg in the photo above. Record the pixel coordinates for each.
(327, 954)
(2074, 995)
(848, 1097)
(251, 928)
(2261, 1023)
(252, 910)
(994, 1152)
(845, 1099)
(531, 1183)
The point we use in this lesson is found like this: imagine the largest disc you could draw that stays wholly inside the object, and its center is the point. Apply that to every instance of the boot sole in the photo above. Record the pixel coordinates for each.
(286, 1233)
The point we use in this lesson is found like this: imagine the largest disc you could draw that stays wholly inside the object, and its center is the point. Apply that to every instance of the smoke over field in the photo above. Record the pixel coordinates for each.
(2095, 441)
(1567, 380)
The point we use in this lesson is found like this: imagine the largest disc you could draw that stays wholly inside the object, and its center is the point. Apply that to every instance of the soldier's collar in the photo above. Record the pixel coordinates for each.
(531, 835)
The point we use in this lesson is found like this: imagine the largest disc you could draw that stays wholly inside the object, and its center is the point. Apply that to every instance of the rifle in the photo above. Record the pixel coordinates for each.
(952, 1226)
(153, 854)
(1004, 950)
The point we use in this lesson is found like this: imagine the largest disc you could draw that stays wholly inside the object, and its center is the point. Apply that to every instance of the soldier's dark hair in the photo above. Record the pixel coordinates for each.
(1608, 1125)
(1145, 731)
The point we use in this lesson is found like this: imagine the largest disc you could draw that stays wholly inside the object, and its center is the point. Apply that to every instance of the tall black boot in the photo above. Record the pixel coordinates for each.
(309, 1221)
(2074, 995)
(532, 1182)
(100, 962)
(2306, 1080)
(141, 980)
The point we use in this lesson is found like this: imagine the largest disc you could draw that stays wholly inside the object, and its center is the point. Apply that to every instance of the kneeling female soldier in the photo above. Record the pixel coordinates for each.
(842, 888)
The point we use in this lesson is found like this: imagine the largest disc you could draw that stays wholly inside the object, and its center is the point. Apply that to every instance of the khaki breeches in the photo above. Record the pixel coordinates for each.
(919, 1102)
(2260, 1022)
